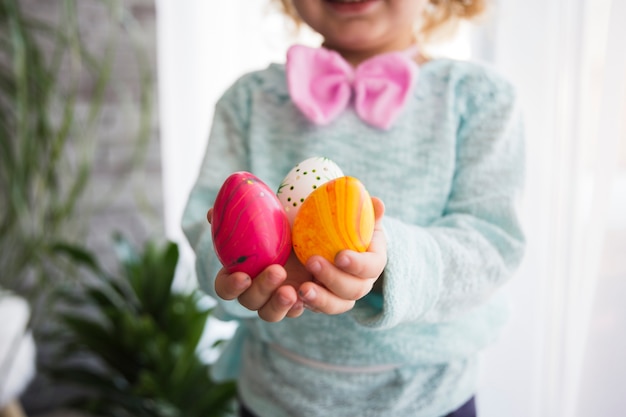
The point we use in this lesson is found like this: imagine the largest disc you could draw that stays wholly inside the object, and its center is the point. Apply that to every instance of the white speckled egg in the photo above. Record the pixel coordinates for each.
(302, 180)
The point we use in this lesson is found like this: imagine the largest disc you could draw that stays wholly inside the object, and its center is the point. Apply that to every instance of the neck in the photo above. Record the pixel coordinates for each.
(357, 55)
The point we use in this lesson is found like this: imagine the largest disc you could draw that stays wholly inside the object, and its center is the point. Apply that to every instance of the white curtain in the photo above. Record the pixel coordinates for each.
(568, 62)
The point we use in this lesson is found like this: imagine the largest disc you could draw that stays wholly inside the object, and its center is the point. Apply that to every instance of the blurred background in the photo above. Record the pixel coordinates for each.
(105, 111)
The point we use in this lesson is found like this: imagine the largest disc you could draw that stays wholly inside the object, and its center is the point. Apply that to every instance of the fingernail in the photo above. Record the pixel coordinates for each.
(342, 262)
(315, 267)
(242, 283)
(307, 296)
(275, 277)
(284, 300)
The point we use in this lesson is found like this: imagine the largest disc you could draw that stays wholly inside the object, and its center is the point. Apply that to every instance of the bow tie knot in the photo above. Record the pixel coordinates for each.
(322, 84)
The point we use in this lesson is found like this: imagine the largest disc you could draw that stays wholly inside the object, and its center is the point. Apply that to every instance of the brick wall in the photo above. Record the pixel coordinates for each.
(124, 195)
(135, 207)
(135, 203)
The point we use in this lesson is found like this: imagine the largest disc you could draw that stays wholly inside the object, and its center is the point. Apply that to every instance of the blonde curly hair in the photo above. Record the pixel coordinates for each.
(440, 18)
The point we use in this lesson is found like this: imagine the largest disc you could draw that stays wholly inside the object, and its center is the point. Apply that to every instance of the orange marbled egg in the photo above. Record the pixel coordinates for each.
(336, 216)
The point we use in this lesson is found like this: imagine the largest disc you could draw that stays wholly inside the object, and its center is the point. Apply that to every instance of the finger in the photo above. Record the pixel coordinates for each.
(379, 242)
(321, 300)
(369, 264)
(230, 286)
(279, 305)
(209, 215)
(337, 281)
(262, 287)
(379, 208)
(296, 310)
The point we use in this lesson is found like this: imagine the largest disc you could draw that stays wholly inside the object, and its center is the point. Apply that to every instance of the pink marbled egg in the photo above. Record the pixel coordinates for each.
(250, 228)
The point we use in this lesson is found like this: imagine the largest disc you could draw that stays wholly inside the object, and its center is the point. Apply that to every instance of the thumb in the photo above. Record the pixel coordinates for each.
(379, 208)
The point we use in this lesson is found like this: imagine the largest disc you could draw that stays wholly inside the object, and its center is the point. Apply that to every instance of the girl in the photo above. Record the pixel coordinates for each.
(394, 331)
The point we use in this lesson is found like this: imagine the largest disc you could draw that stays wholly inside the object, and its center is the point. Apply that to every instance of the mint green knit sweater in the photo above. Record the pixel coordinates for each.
(449, 172)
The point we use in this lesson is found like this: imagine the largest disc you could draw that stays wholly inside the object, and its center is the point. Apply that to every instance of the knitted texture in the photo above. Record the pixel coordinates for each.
(449, 172)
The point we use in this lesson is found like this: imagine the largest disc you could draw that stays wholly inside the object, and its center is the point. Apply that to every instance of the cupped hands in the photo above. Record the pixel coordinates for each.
(320, 286)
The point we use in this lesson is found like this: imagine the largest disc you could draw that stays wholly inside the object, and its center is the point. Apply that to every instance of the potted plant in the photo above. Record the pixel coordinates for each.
(144, 336)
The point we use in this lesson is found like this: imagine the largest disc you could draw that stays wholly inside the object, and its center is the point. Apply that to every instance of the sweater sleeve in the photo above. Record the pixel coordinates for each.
(226, 153)
(438, 272)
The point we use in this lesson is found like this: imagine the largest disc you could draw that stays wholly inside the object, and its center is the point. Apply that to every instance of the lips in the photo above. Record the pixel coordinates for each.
(351, 6)
(348, 1)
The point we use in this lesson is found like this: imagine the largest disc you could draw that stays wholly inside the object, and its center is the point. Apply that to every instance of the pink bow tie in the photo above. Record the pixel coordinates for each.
(322, 84)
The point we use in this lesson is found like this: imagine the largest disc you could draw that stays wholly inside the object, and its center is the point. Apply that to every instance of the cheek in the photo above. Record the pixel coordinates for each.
(309, 11)
(408, 11)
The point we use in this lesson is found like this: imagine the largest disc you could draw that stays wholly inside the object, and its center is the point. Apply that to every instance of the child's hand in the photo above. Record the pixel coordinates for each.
(272, 294)
(280, 292)
(337, 287)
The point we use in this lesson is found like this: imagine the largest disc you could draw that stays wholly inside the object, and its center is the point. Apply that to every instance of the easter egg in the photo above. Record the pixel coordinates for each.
(249, 226)
(302, 180)
(338, 215)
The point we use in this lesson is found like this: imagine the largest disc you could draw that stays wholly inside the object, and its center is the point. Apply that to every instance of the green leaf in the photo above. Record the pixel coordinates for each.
(148, 336)
(78, 254)
(102, 340)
